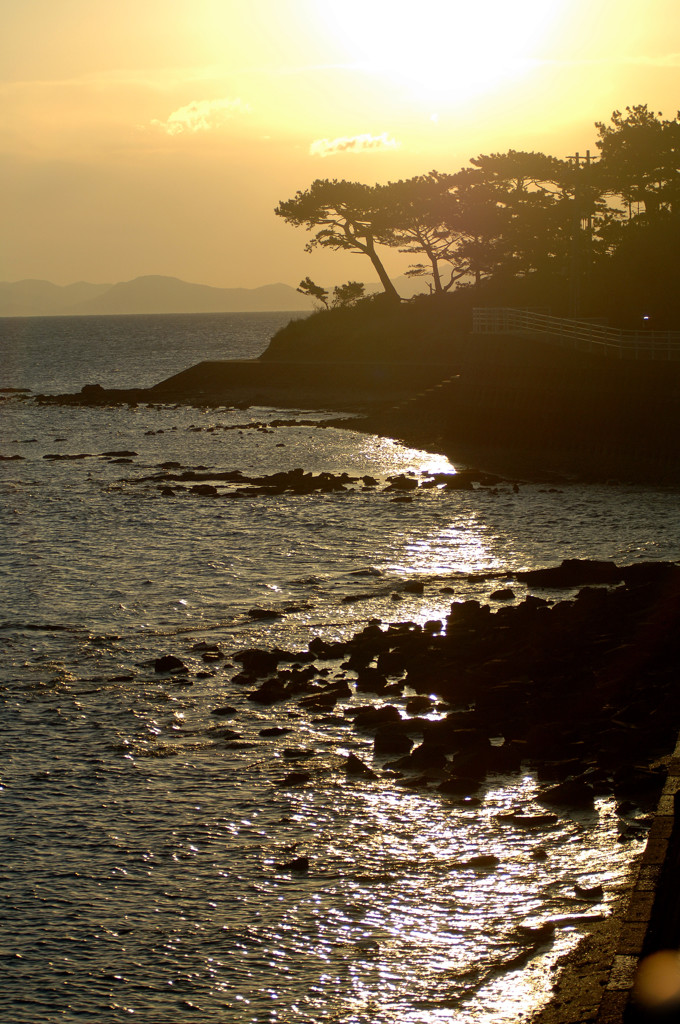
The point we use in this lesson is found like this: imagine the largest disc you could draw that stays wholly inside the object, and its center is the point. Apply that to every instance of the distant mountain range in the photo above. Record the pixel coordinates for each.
(156, 294)
(151, 294)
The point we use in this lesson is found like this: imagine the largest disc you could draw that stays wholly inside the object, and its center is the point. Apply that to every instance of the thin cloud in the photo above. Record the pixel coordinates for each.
(353, 144)
(202, 116)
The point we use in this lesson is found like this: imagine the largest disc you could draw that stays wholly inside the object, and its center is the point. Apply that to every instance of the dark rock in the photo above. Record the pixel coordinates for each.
(223, 711)
(370, 680)
(169, 663)
(263, 613)
(536, 934)
(390, 741)
(300, 864)
(258, 663)
(571, 793)
(431, 756)
(401, 483)
(270, 692)
(274, 730)
(209, 490)
(593, 893)
(528, 820)
(354, 766)
(454, 786)
(295, 779)
(417, 705)
(326, 649)
(372, 718)
(481, 860)
(572, 572)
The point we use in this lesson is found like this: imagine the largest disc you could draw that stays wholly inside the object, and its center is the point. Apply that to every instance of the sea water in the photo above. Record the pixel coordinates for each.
(146, 841)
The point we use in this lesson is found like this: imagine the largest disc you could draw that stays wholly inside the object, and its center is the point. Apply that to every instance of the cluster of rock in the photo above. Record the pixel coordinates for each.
(211, 483)
(584, 689)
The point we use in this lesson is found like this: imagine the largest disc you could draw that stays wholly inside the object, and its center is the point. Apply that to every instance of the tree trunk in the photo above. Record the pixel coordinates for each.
(438, 290)
(382, 273)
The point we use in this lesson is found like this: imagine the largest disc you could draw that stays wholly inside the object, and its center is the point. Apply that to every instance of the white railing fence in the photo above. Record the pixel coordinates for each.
(584, 335)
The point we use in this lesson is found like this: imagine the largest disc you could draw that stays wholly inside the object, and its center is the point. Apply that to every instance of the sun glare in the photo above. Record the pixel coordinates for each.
(444, 52)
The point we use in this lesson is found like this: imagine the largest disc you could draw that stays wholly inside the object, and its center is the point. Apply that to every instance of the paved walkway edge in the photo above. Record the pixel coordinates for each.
(652, 916)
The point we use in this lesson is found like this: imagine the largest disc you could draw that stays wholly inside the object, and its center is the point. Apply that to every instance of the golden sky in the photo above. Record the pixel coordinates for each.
(157, 136)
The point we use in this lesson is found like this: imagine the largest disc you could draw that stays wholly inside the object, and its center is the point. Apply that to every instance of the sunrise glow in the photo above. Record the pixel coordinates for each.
(157, 139)
(447, 53)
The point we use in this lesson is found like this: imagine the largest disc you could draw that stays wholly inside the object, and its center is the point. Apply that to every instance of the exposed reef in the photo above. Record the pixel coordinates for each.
(584, 689)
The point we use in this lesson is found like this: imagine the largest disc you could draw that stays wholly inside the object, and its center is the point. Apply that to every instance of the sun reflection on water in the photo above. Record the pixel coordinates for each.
(408, 932)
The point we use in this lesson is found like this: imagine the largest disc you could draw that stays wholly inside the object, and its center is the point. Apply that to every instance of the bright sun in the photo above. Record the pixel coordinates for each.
(442, 51)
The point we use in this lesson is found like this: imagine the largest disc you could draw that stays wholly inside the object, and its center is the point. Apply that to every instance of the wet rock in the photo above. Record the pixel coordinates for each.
(572, 793)
(371, 717)
(455, 786)
(482, 860)
(263, 613)
(459, 482)
(325, 649)
(526, 820)
(639, 784)
(572, 572)
(370, 680)
(430, 756)
(223, 711)
(419, 704)
(432, 626)
(68, 458)
(300, 864)
(274, 730)
(256, 662)
(295, 779)
(208, 490)
(169, 663)
(536, 934)
(354, 766)
(419, 782)
(390, 741)
(473, 764)
(401, 483)
(270, 692)
(592, 893)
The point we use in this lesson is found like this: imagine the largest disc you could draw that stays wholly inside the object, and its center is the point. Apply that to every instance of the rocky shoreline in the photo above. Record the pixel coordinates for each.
(581, 690)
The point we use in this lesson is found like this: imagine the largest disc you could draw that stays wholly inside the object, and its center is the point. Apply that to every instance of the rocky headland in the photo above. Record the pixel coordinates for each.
(512, 404)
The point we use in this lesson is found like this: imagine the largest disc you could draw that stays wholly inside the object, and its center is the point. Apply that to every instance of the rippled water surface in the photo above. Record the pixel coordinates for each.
(149, 844)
